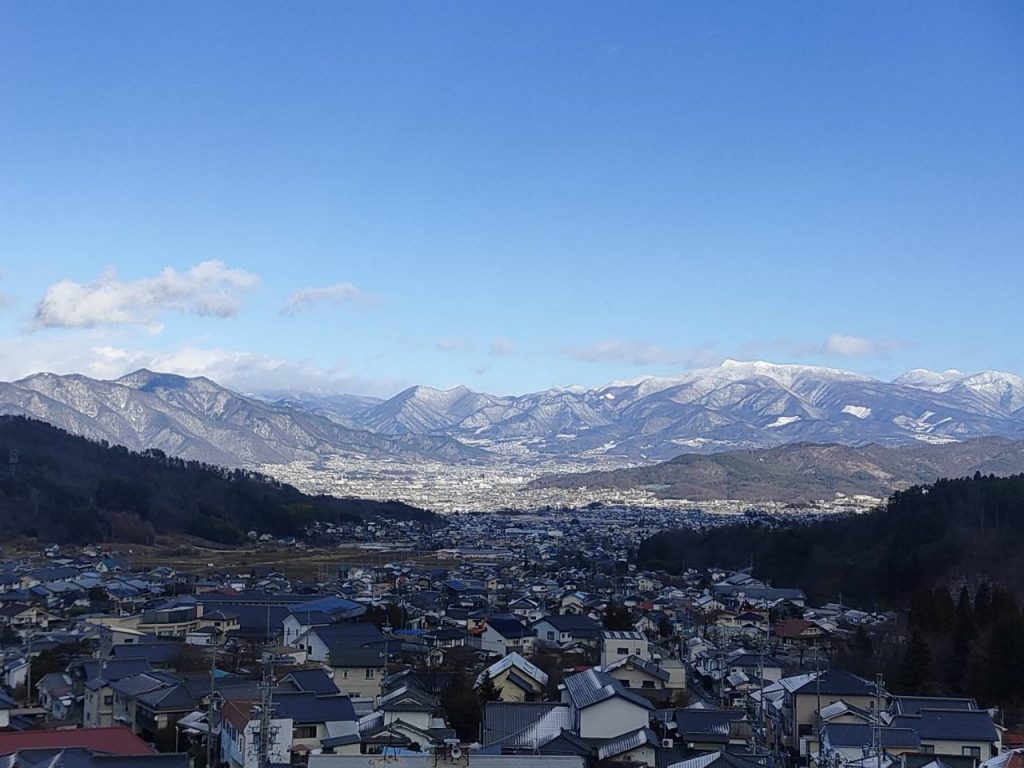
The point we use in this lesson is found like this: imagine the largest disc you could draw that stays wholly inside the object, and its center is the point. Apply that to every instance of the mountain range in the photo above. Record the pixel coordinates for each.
(734, 406)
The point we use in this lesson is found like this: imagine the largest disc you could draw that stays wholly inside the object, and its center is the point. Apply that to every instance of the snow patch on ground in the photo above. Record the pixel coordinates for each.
(860, 411)
(782, 421)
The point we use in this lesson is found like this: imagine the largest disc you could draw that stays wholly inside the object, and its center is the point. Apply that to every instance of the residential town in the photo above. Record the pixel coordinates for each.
(515, 640)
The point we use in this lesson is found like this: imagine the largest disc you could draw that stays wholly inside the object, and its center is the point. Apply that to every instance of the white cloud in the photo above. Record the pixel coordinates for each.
(638, 353)
(338, 293)
(209, 289)
(841, 345)
(448, 344)
(501, 347)
(92, 354)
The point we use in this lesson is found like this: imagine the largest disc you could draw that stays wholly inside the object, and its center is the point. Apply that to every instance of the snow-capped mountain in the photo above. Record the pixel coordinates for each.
(737, 405)
(734, 405)
(198, 419)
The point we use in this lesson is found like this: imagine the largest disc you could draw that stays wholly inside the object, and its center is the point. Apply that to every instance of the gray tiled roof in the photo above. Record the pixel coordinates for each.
(627, 742)
(524, 726)
(592, 687)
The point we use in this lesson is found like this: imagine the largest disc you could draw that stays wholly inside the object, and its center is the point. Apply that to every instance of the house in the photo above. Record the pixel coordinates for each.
(567, 629)
(358, 670)
(504, 635)
(319, 642)
(56, 695)
(513, 728)
(602, 707)
(797, 632)
(318, 718)
(515, 679)
(846, 742)
(314, 679)
(617, 644)
(710, 730)
(239, 736)
(406, 717)
(312, 613)
(803, 694)
(639, 747)
(964, 732)
(93, 679)
(644, 676)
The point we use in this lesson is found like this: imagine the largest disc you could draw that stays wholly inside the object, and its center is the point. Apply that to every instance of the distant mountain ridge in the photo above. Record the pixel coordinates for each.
(198, 419)
(802, 472)
(734, 406)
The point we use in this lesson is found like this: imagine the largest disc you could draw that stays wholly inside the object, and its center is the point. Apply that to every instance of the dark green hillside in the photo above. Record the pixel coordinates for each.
(69, 489)
(952, 531)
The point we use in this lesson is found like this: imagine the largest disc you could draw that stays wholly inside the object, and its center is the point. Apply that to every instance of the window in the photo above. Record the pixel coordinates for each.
(344, 674)
(647, 684)
(928, 749)
(551, 635)
(371, 673)
(304, 732)
(971, 751)
(108, 700)
(622, 651)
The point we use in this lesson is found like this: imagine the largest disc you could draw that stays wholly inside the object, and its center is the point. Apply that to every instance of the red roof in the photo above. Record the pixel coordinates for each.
(110, 741)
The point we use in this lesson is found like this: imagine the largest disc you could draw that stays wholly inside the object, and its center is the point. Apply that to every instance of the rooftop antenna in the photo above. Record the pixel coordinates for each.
(14, 462)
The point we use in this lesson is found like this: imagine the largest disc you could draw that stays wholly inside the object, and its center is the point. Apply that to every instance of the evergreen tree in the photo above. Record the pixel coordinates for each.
(983, 604)
(917, 671)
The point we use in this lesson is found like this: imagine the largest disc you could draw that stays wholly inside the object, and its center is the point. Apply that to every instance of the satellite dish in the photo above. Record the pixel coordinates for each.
(456, 753)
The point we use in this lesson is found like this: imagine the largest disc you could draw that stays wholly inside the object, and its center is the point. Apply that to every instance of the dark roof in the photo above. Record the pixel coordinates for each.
(706, 724)
(348, 656)
(579, 626)
(912, 705)
(510, 628)
(306, 708)
(315, 680)
(153, 653)
(950, 724)
(838, 682)
(350, 635)
(859, 735)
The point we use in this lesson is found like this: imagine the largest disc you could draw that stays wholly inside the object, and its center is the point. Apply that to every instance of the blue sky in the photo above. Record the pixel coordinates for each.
(359, 196)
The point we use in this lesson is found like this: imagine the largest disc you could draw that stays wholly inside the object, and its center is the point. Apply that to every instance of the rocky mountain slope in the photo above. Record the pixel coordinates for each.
(733, 406)
(197, 419)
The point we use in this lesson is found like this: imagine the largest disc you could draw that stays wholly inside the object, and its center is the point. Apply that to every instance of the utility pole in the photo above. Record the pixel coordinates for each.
(28, 673)
(211, 707)
(876, 722)
(266, 735)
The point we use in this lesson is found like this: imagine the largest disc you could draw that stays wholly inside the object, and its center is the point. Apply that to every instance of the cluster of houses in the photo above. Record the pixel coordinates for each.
(558, 663)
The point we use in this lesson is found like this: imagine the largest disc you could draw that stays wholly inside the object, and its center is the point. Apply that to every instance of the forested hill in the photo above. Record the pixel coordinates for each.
(70, 489)
(951, 532)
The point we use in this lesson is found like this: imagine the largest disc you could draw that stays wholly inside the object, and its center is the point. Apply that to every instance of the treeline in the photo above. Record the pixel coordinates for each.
(968, 530)
(63, 488)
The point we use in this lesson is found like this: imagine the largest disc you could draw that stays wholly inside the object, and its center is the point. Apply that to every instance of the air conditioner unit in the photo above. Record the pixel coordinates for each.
(667, 743)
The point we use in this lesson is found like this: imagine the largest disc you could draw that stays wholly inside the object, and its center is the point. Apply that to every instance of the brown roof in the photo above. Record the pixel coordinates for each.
(110, 741)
